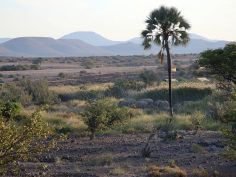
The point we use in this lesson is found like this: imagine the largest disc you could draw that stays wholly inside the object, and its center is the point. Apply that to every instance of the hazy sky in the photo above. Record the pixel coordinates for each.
(115, 19)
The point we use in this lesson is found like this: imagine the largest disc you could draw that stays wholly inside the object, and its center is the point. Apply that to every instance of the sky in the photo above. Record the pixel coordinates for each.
(114, 19)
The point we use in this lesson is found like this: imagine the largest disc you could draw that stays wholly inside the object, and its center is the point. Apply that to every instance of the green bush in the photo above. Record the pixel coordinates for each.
(9, 110)
(21, 142)
(104, 113)
(11, 92)
(19, 67)
(179, 94)
(39, 90)
(121, 87)
(62, 75)
(82, 95)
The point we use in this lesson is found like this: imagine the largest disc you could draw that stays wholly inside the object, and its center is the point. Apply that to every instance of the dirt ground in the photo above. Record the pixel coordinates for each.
(119, 155)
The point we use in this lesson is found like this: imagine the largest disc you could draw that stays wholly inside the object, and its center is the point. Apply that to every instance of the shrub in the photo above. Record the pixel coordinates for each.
(120, 88)
(9, 110)
(39, 90)
(18, 67)
(88, 64)
(62, 75)
(148, 77)
(23, 141)
(102, 114)
(197, 119)
(11, 92)
(230, 118)
(82, 95)
(179, 94)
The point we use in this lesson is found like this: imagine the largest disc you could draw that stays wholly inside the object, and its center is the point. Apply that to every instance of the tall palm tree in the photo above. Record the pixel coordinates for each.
(166, 27)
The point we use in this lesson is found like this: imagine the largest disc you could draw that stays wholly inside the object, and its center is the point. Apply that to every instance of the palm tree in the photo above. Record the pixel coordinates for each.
(166, 27)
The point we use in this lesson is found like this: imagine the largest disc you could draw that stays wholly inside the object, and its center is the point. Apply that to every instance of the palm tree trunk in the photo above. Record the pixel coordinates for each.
(169, 77)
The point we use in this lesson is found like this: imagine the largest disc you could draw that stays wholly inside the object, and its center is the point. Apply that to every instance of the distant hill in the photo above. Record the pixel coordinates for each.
(134, 47)
(48, 47)
(93, 44)
(91, 38)
(2, 40)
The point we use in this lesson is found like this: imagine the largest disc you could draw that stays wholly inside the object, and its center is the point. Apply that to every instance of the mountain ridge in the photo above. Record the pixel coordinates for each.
(69, 47)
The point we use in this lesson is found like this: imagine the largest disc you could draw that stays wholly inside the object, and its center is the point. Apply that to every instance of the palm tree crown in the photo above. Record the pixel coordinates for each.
(165, 25)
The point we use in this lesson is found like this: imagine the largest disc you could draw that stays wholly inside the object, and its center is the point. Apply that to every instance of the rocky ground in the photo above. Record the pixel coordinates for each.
(119, 155)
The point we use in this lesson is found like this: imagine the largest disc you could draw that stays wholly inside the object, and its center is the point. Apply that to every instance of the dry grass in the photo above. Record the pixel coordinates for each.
(118, 171)
(167, 171)
(200, 172)
(62, 89)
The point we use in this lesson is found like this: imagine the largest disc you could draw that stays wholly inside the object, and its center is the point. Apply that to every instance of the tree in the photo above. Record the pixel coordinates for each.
(166, 27)
(221, 63)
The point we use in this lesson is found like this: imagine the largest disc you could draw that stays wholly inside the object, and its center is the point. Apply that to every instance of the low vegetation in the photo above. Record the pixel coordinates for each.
(22, 137)
(19, 67)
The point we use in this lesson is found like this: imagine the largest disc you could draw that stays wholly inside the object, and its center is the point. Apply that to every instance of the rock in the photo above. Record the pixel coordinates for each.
(141, 104)
(128, 102)
(162, 105)
(149, 101)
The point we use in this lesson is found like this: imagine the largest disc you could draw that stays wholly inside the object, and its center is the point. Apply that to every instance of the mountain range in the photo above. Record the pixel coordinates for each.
(92, 44)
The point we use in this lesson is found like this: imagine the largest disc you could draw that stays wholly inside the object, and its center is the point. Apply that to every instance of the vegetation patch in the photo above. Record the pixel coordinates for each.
(167, 171)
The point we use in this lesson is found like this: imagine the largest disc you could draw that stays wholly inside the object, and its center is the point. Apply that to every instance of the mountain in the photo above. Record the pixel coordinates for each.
(91, 38)
(2, 40)
(134, 47)
(70, 45)
(49, 47)
(126, 48)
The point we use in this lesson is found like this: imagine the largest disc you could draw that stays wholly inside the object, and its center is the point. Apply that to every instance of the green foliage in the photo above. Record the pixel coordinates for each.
(62, 75)
(20, 142)
(88, 64)
(229, 117)
(19, 67)
(121, 87)
(179, 94)
(39, 90)
(148, 77)
(11, 92)
(9, 110)
(104, 113)
(197, 119)
(37, 61)
(82, 95)
(221, 62)
(27, 91)
(163, 23)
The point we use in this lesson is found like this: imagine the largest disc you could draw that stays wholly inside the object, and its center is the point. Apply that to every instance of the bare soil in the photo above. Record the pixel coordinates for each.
(80, 157)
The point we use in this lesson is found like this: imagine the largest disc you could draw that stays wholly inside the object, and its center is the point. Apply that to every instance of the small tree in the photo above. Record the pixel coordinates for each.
(221, 63)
